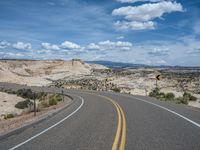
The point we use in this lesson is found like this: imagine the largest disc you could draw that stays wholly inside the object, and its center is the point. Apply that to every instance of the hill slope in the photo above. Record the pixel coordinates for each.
(39, 73)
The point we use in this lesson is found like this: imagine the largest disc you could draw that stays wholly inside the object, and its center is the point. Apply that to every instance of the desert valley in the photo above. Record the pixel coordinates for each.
(76, 74)
(178, 85)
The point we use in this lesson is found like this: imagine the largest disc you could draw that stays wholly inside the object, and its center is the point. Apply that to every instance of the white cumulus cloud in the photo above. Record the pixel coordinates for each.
(110, 45)
(93, 46)
(118, 43)
(135, 25)
(4, 44)
(22, 46)
(142, 16)
(49, 46)
(133, 1)
(147, 12)
(70, 45)
(159, 52)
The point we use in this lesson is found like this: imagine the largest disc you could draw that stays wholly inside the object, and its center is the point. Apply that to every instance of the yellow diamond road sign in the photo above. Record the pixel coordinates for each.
(158, 77)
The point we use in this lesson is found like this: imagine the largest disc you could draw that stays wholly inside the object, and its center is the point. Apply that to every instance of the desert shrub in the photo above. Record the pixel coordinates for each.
(10, 92)
(23, 104)
(181, 100)
(116, 90)
(44, 104)
(186, 95)
(169, 96)
(189, 97)
(162, 96)
(155, 93)
(52, 101)
(58, 98)
(26, 93)
(193, 98)
(41, 94)
(8, 116)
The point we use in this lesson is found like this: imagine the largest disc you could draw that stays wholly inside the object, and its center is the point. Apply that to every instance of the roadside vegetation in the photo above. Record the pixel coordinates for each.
(116, 90)
(43, 100)
(171, 97)
(8, 116)
(29, 94)
(54, 99)
(23, 104)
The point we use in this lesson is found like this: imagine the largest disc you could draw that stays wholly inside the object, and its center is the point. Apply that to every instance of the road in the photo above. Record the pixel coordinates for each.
(107, 120)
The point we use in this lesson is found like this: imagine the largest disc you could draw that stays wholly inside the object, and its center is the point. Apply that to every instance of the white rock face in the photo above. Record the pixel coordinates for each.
(41, 73)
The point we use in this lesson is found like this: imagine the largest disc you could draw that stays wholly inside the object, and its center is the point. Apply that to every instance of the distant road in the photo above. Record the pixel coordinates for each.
(107, 120)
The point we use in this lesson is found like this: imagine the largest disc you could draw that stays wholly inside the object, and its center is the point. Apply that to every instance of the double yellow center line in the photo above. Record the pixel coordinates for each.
(120, 137)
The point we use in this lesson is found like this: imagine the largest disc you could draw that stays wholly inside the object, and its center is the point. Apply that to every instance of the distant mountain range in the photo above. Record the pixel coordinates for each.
(111, 64)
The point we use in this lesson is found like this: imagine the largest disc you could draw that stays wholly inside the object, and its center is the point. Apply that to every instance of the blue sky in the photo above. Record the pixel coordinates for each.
(155, 32)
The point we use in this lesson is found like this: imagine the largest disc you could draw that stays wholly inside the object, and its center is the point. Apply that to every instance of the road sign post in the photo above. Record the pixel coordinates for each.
(145, 91)
(63, 95)
(34, 107)
(158, 77)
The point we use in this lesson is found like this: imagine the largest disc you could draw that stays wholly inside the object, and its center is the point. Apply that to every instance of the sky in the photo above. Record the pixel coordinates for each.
(153, 32)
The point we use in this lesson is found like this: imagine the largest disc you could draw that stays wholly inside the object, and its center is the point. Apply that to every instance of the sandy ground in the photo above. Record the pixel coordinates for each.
(136, 85)
(7, 104)
(25, 119)
(195, 104)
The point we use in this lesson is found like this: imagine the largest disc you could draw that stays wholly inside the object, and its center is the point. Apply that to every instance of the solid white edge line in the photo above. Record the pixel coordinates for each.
(171, 111)
(33, 137)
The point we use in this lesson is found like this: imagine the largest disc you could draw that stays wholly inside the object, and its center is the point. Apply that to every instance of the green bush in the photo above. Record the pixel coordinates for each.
(58, 97)
(155, 93)
(182, 100)
(162, 96)
(189, 97)
(116, 90)
(10, 92)
(44, 104)
(8, 116)
(186, 94)
(41, 94)
(23, 104)
(27, 93)
(193, 98)
(52, 101)
(169, 96)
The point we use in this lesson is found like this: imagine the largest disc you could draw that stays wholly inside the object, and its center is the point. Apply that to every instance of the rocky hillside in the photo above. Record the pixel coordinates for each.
(39, 73)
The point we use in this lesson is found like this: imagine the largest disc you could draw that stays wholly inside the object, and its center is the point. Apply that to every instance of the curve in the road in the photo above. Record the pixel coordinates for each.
(49, 128)
(169, 110)
(121, 127)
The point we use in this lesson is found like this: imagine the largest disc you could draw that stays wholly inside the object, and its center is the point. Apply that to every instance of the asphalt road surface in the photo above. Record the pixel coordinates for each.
(107, 120)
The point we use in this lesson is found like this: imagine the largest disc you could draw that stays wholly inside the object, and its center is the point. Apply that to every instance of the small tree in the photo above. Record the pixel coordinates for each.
(169, 96)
